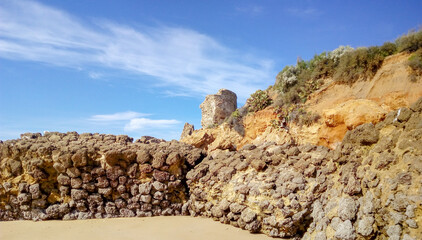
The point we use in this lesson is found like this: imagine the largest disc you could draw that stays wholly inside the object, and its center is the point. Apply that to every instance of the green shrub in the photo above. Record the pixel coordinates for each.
(296, 83)
(236, 114)
(286, 78)
(308, 118)
(415, 64)
(258, 101)
(295, 114)
(362, 63)
(410, 42)
(322, 67)
(387, 49)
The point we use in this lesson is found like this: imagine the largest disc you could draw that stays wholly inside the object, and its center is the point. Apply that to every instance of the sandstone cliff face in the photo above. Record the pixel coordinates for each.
(341, 107)
(344, 107)
(368, 188)
(347, 116)
(72, 176)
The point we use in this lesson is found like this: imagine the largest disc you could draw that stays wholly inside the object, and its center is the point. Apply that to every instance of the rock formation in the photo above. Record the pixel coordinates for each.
(367, 188)
(362, 102)
(72, 176)
(217, 107)
(187, 130)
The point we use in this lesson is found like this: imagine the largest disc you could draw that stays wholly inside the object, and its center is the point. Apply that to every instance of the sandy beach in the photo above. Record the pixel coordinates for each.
(154, 228)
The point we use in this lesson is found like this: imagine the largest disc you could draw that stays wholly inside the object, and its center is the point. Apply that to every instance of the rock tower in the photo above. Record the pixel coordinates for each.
(217, 107)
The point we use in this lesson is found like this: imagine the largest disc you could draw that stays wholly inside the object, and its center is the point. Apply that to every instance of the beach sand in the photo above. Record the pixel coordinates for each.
(152, 228)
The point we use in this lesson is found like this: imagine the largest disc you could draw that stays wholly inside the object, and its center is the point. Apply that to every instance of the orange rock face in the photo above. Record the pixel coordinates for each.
(345, 107)
(347, 116)
(341, 107)
(256, 124)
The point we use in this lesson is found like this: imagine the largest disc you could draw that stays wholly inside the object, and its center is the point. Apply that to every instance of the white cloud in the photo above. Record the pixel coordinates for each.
(121, 116)
(145, 123)
(95, 75)
(135, 122)
(304, 12)
(185, 60)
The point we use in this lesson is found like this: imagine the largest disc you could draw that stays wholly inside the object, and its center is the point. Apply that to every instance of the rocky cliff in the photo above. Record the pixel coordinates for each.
(361, 102)
(369, 187)
(72, 176)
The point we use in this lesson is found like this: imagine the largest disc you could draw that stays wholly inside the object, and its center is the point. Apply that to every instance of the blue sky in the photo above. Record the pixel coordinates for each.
(143, 67)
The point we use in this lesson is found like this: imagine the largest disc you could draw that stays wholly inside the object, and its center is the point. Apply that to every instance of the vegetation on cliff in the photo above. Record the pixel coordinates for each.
(345, 65)
(415, 63)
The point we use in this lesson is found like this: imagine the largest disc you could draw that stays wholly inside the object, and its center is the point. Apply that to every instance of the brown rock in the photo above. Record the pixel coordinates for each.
(132, 170)
(78, 194)
(112, 157)
(187, 130)
(63, 179)
(248, 215)
(15, 166)
(258, 164)
(161, 176)
(102, 182)
(143, 156)
(114, 172)
(80, 158)
(73, 172)
(34, 189)
(405, 178)
(98, 172)
(173, 158)
(365, 134)
(145, 188)
(59, 167)
(159, 159)
(105, 191)
(76, 182)
(145, 168)
(417, 106)
(226, 173)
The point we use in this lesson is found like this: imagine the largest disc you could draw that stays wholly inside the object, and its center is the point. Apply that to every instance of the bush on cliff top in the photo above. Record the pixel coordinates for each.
(345, 64)
(410, 42)
(415, 64)
(362, 63)
(258, 101)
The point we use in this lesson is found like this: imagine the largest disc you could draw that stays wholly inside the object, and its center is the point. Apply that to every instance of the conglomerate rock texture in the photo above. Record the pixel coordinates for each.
(72, 176)
(369, 187)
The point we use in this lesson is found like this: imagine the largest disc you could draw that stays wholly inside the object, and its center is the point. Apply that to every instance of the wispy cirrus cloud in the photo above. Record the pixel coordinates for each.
(189, 62)
(120, 116)
(144, 123)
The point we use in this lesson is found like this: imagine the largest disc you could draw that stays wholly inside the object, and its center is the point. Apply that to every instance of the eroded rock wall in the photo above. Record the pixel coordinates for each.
(72, 176)
(370, 187)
